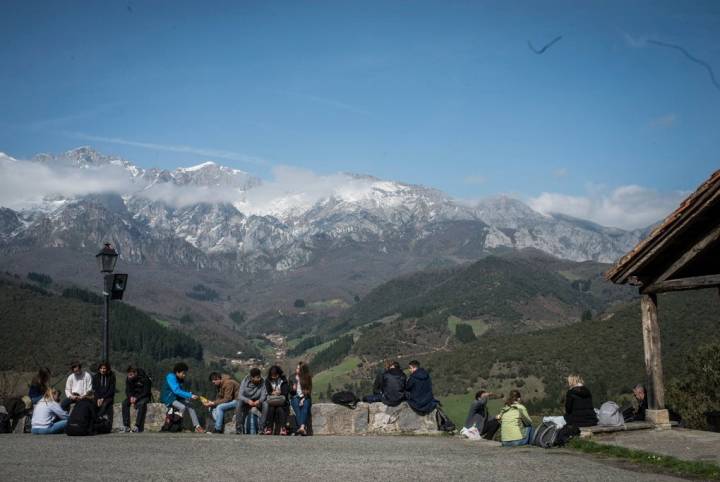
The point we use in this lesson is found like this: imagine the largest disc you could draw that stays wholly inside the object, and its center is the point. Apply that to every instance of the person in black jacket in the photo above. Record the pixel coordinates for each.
(137, 391)
(103, 383)
(389, 387)
(275, 406)
(579, 409)
(418, 389)
(636, 413)
(83, 417)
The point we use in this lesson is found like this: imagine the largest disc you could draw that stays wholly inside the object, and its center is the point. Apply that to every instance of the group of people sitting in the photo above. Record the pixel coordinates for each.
(515, 424)
(392, 387)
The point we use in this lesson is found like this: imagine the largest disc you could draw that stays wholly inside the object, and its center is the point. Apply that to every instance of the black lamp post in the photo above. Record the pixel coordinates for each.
(113, 288)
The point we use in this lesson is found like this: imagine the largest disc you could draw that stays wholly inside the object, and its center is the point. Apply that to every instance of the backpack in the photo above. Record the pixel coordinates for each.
(545, 435)
(173, 421)
(346, 399)
(565, 434)
(610, 415)
(444, 424)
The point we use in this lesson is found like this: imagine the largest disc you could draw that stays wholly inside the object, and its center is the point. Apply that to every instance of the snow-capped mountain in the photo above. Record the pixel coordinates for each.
(212, 216)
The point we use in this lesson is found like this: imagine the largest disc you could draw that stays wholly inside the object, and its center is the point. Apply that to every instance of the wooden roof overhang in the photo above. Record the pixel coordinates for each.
(683, 252)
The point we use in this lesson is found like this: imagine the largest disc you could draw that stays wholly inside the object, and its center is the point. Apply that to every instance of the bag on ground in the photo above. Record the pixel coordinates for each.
(444, 423)
(471, 433)
(565, 434)
(173, 421)
(346, 399)
(610, 415)
(545, 435)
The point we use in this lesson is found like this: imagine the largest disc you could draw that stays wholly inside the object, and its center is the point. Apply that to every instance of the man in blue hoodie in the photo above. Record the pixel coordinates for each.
(173, 395)
(418, 390)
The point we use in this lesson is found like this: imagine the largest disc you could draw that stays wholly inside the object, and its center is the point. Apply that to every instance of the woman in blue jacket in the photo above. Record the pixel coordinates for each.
(173, 395)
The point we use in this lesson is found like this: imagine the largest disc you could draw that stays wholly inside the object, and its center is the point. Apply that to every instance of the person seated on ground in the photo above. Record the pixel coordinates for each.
(515, 423)
(84, 419)
(48, 416)
(579, 410)
(137, 394)
(478, 416)
(636, 412)
(103, 383)
(418, 389)
(39, 385)
(275, 408)
(227, 394)
(78, 384)
(175, 396)
(301, 400)
(251, 396)
(389, 386)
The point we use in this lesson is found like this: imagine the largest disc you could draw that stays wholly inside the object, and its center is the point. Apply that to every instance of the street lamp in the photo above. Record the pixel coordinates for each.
(113, 288)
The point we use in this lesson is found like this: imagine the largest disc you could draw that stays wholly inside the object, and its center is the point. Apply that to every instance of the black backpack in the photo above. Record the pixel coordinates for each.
(566, 433)
(346, 399)
(444, 423)
(5, 424)
(545, 435)
(173, 421)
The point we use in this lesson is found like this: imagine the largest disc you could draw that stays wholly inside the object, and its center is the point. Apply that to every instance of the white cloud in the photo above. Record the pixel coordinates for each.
(667, 120)
(627, 207)
(202, 151)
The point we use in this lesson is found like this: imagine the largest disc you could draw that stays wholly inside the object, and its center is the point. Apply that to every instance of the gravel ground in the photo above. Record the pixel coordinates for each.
(211, 457)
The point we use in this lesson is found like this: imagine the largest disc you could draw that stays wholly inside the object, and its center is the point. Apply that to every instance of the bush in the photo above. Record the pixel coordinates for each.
(238, 317)
(299, 303)
(465, 333)
(40, 278)
(698, 390)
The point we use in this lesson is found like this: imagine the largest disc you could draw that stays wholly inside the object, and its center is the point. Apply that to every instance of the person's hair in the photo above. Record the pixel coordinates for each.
(395, 365)
(513, 397)
(75, 365)
(104, 364)
(180, 367)
(387, 363)
(42, 378)
(132, 369)
(305, 377)
(414, 364)
(640, 386)
(215, 376)
(479, 394)
(275, 370)
(50, 394)
(573, 380)
(255, 372)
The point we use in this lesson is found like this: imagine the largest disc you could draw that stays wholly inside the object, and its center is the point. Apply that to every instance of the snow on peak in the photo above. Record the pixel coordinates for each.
(197, 167)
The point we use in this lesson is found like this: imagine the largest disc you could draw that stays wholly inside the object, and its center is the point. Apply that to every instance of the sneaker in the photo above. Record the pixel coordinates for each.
(283, 431)
(136, 429)
(268, 431)
(199, 429)
(123, 430)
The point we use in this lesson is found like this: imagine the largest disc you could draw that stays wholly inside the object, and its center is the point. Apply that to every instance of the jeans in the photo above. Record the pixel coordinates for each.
(182, 406)
(57, 427)
(243, 412)
(523, 441)
(218, 413)
(301, 412)
(374, 398)
(141, 405)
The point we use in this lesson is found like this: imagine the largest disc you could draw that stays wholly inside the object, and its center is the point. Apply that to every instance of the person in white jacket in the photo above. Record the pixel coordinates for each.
(78, 384)
(48, 417)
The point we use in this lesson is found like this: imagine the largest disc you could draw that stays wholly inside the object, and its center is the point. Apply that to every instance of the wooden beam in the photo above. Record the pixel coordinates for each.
(690, 254)
(653, 356)
(694, 283)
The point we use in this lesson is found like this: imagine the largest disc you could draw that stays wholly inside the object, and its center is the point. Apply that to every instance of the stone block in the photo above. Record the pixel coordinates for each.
(400, 420)
(154, 419)
(333, 419)
(659, 418)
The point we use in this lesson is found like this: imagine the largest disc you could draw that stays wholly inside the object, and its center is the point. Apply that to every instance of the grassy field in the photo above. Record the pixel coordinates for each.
(457, 406)
(479, 326)
(336, 375)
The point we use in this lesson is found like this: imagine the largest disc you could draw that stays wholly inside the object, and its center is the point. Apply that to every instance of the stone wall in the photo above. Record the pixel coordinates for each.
(328, 419)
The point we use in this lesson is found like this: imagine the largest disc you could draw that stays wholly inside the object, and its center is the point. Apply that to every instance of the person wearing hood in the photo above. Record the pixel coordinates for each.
(251, 396)
(103, 384)
(389, 386)
(137, 393)
(579, 409)
(227, 393)
(275, 407)
(418, 389)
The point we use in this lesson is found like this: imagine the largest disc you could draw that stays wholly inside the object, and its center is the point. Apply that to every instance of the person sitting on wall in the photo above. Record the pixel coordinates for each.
(78, 384)
(251, 396)
(104, 387)
(636, 412)
(227, 393)
(579, 409)
(478, 416)
(276, 405)
(175, 396)
(137, 394)
(418, 389)
(389, 386)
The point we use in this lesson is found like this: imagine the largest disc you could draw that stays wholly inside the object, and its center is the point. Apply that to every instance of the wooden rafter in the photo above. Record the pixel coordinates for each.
(694, 283)
(690, 254)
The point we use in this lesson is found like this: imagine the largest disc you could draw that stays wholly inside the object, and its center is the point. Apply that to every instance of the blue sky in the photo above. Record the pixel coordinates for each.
(445, 94)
